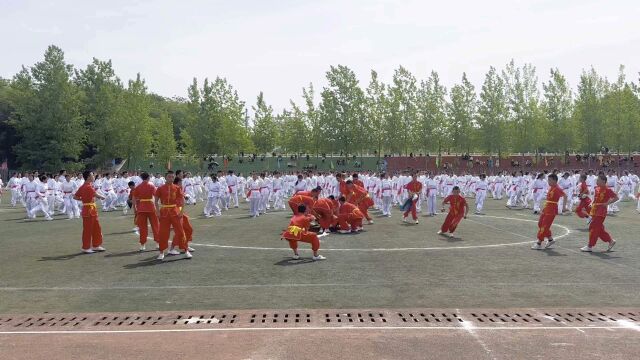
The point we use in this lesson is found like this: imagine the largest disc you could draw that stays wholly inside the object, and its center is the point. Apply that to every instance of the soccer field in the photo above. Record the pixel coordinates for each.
(241, 263)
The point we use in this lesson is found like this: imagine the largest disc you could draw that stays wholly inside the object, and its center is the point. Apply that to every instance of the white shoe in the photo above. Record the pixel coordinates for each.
(536, 246)
(440, 232)
(295, 257)
(161, 256)
(404, 219)
(612, 243)
(48, 218)
(586, 249)
(173, 252)
(550, 243)
(208, 216)
(323, 235)
(191, 249)
(344, 231)
(370, 222)
(143, 248)
(417, 222)
(319, 257)
(99, 249)
(388, 215)
(188, 255)
(359, 229)
(136, 229)
(88, 251)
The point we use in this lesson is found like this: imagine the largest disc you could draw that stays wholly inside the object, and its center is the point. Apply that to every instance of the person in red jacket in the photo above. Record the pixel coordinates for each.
(359, 197)
(603, 197)
(325, 211)
(307, 198)
(145, 210)
(549, 212)
(349, 217)
(414, 188)
(584, 207)
(298, 230)
(91, 230)
(458, 210)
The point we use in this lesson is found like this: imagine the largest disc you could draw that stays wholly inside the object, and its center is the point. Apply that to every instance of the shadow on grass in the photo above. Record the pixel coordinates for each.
(153, 262)
(451, 239)
(62, 257)
(552, 252)
(130, 253)
(121, 233)
(604, 255)
(291, 262)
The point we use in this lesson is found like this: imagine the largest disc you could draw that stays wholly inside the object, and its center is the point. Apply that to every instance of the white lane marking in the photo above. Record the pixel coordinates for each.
(568, 231)
(342, 328)
(468, 325)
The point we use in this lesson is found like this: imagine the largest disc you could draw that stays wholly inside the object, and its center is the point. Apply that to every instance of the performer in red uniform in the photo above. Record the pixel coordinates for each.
(306, 198)
(170, 201)
(584, 207)
(144, 209)
(414, 188)
(549, 212)
(342, 185)
(298, 230)
(91, 230)
(349, 217)
(359, 197)
(458, 210)
(604, 197)
(325, 211)
(186, 225)
(356, 180)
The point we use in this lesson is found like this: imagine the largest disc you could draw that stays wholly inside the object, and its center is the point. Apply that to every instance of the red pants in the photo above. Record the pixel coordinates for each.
(308, 237)
(187, 228)
(91, 232)
(412, 210)
(349, 221)
(597, 231)
(451, 222)
(544, 226)
(166, 223)
(585, 204)
(141, 222)
(325, 218)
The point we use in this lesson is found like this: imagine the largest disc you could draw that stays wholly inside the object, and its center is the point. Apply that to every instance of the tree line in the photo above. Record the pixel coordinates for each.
(53, 115)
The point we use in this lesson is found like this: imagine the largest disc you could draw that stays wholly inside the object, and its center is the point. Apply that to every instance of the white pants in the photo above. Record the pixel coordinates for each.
(39, 204)
(537, 200)
(109, 203)
(71, 207)
(278, 200)
(514, 196)
(386, 205)
(498, 191)
(432, 206)
(480, 196)
(212, 206)
(254, 205)
(234, 197)
(264, 201)
(15, 196)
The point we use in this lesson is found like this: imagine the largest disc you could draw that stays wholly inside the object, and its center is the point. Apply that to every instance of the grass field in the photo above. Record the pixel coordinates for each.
(240, 263)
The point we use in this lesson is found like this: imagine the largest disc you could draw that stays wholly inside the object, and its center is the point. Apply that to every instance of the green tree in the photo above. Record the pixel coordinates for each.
(164, 142)
(377, 113)
(295, 134)
(317, 128)
(47, 116)
(402, 129)
(433, 126)
(135, 136)
(492, 113)
(102, 92)
(462, 111)
(8, 138)
(558, 107)
(265, 130)
(342, 110)
(588, 111)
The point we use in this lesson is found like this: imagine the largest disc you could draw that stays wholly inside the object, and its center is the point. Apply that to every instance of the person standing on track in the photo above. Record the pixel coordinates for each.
(458, 209)
(604, 196)
(144, 209)
(91, 231)
(414, 188)
(170, 202)
(549, 212)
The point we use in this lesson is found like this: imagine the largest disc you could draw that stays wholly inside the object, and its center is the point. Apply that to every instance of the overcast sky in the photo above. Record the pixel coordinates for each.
(280, 46)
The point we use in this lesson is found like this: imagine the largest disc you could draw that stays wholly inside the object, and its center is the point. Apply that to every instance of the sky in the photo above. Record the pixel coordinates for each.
(278, 47)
